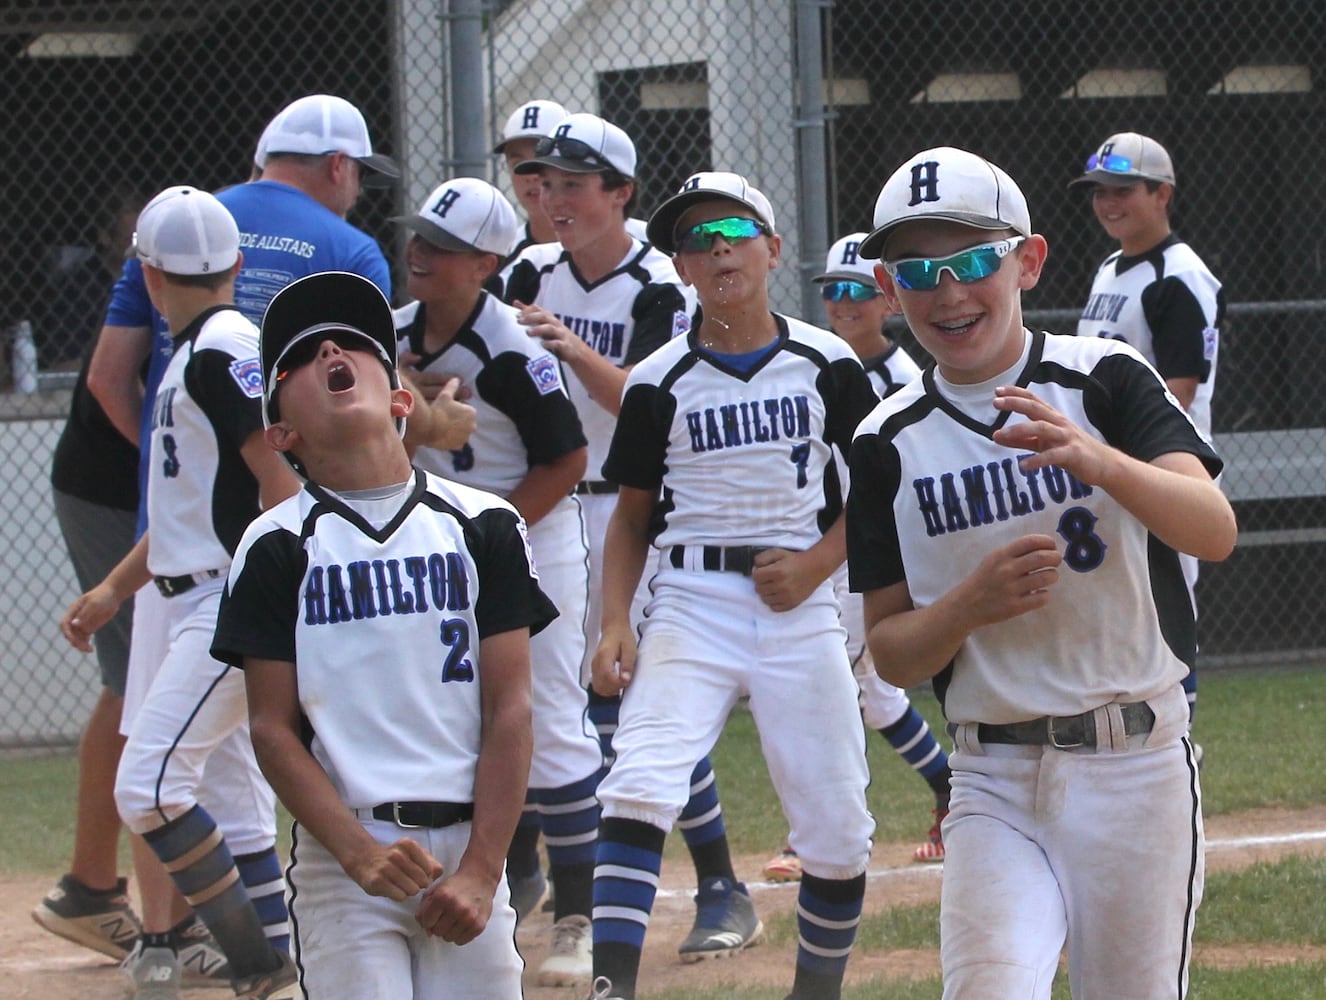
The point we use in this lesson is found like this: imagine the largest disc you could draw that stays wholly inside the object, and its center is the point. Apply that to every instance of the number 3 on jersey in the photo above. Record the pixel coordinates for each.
(456, 637)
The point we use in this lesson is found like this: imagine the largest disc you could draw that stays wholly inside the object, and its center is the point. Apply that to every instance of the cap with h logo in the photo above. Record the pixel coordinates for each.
(532, 120)
(845, 263)
(705, 186)
(321, 124)
(1125, 158)
(466, 214)
(949, 184)
(186, 231)
(583, 144)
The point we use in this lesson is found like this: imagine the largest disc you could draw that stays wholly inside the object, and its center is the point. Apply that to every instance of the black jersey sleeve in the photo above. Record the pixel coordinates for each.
(1178, 328)
(523, 284)
(260, 604)
(1135, 414)
(637, 456)
(547, 422)
(655, 312)
(849, 397)
(874, 557)
(214, 379)
(509, 593)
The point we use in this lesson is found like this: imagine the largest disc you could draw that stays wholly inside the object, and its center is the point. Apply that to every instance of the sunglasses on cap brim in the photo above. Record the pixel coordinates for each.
(570, 149)
(836, 291)
(922, 274)
(733, 229)
(1112, 164)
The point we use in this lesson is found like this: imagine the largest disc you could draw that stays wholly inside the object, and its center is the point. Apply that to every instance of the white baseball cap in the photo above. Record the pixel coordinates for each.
(583, 144)
(186, 231)
(707, 185)
(466, 214)
(321, 124)
(1127, 157)
(951, 184)
(532, 120)
(845, 263)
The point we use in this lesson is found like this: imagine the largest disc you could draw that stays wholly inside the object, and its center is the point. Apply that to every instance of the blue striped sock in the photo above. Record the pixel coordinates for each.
(196, 855)
(262, 877)
(630, 855)
(916, 744)
(603, 714)
(701, 821)
(570, 819)
(828, 912)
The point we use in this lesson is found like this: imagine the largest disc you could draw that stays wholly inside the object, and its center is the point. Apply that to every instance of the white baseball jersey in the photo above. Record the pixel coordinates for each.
(624, 316)
(1169, 306)
(932, 495)
(201, 494)
(775, 426)
(383, 624)
(524, 415)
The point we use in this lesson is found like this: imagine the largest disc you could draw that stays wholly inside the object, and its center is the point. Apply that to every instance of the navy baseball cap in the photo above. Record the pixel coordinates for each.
(324, 303)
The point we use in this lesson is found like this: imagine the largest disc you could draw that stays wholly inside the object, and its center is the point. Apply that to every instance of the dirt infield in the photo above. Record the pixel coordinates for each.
(35, 964)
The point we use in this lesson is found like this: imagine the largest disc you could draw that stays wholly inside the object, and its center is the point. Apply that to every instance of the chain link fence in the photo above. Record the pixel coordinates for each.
(110, 100)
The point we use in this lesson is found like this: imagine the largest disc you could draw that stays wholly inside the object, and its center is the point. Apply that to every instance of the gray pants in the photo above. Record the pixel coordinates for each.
(98, 538)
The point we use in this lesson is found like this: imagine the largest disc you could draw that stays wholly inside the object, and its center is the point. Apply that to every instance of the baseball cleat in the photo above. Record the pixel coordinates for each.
(933, 848)
(571, 958)
(202, 962)
(786, 867)
(527, 893)
(100, 920)
(725, 921)
(275, 984)
(152, 974)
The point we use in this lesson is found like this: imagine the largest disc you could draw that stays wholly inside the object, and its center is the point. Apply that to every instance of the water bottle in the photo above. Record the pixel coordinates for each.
(24, 362)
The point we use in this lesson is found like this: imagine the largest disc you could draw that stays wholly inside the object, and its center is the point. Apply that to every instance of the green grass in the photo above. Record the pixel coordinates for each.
(1258, 728)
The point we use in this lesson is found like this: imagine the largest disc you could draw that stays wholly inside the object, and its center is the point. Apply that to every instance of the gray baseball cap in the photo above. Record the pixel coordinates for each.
(1125, 158)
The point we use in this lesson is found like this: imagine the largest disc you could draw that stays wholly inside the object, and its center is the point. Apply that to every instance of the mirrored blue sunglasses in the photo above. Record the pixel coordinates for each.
(733, 229)
(1113, 163)
(836, 291)
(922, 274)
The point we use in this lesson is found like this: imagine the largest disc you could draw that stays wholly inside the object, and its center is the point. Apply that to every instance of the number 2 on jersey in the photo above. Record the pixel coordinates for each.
(456, 637)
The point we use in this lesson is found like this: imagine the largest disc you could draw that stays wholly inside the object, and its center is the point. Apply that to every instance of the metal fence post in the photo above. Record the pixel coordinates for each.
(812, 159)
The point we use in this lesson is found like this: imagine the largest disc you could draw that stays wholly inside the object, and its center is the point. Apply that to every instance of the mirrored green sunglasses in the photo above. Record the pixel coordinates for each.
(922, 274)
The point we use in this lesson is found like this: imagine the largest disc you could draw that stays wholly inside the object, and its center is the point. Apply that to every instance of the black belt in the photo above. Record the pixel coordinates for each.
(173, 586)
(594, 488)
(418, 815)
(721, 559)
(1066, 731)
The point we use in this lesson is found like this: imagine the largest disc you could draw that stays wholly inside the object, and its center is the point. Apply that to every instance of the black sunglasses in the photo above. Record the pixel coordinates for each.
(569, 149)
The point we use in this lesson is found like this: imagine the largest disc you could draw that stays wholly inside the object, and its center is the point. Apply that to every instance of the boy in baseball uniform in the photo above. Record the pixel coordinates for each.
(1153, 293)
(210, 472)
(382, 619)
(723, 453)
(1014, 524)
(857, 310)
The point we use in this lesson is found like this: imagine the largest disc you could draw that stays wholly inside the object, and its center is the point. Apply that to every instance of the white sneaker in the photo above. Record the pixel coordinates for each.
(152, 974)
(570, 960)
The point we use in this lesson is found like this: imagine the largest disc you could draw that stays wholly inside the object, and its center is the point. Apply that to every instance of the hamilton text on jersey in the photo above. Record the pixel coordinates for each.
(365, 589)
(747, 422)
(944, 513)
(605, 336)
